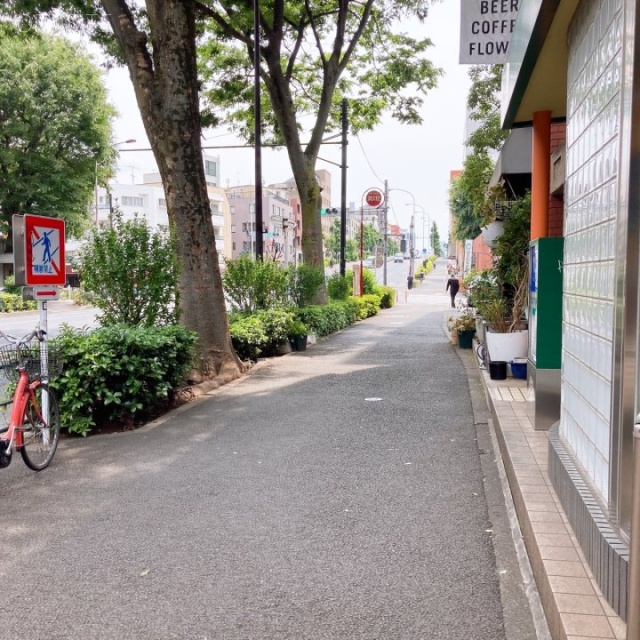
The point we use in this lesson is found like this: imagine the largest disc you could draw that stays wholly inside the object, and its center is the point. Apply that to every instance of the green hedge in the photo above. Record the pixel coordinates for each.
(120, 375)
(258, 334)
(10, 302)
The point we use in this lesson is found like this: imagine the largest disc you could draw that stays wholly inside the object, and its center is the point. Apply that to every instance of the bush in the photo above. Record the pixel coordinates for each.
(260, 333)
(325, 319)
(248, 336)
(304, 282)
(10, 302)
(368, 305)
(251, 284)
(120, 375)
(133, 273)
(386, 294)
(339, 287)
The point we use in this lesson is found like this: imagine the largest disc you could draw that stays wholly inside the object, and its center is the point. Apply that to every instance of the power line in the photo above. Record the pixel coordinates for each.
(364, 153)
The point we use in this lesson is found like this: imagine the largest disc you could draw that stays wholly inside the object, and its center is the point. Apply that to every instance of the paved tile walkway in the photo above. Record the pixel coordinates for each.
(574, 606)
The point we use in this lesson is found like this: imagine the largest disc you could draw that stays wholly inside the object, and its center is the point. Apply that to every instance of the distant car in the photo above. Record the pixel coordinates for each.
(370, 262)
(407, 256)
(398, 257)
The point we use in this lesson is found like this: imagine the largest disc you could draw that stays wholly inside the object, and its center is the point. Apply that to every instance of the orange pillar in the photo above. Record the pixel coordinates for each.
(540, 174)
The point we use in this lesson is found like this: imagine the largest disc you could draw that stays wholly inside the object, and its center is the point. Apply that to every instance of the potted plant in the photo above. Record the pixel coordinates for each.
(464, 326)
(298, 333)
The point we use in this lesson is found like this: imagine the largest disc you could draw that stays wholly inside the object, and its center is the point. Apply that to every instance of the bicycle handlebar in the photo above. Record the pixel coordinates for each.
(36, 333)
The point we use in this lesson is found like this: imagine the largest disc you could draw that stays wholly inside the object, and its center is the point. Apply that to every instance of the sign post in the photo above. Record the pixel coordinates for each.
(39, 263)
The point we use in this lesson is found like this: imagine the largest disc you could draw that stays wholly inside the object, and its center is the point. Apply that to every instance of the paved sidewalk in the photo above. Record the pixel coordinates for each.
(574, 606)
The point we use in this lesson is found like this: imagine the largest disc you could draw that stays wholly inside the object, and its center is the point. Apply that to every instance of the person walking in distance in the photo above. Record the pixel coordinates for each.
(409, 281)
(453, 286)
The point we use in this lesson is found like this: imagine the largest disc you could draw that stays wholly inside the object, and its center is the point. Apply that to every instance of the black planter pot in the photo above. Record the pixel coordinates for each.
(299, 343)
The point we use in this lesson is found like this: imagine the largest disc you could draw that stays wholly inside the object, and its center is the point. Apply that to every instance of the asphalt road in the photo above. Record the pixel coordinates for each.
(337, 493)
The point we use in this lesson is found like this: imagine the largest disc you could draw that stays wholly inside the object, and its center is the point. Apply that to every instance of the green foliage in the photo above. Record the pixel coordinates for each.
(133, 273)
(332, 244)
(10, 302)
(467, 196)
(119, 375)
(339, 287)
(304, 283)
(511, 249)
(258, 334)
(10, 286)
(387, 296)
(251, 284)
(368, 305)
(364, 55)
(248, 336)
(434, 237)
(369, 282)
(325, 319)
(56, 125)
(484, 107)
(297, 329)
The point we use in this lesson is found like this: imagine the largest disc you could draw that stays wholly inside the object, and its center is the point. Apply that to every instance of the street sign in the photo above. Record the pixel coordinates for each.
(43, 256)
(374, 197)
(41, 292)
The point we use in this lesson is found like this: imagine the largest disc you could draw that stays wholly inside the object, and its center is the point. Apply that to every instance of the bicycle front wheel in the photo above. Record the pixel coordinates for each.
(40, 429)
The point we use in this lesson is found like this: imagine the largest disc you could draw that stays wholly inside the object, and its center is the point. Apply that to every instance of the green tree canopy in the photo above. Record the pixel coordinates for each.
(55, 128)
(312, 55)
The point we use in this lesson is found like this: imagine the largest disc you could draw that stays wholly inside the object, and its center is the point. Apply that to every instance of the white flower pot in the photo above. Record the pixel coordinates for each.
(507, 346)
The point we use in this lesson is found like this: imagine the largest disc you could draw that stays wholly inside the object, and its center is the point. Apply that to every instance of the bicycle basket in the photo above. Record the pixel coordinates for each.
(29, 356)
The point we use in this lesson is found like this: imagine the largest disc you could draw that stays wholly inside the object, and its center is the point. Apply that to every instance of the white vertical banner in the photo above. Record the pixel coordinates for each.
(468, 257)
(485, 30)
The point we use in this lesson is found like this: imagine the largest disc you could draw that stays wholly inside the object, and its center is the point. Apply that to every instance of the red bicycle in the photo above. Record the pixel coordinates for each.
(34, 422)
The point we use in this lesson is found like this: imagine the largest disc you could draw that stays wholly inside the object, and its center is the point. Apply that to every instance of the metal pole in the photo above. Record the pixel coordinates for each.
(412, 244)
(257, 128)
(44, 363)
(343, 189)
(385, 234)
(96, 194)
(633, 597)
(361, 247)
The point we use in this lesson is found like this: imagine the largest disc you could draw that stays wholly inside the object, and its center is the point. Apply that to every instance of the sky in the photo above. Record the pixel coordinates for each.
(412, 158)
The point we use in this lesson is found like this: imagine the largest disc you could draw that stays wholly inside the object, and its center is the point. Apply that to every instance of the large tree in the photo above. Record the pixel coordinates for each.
(55, 128)
(312, 55)
(156, 40)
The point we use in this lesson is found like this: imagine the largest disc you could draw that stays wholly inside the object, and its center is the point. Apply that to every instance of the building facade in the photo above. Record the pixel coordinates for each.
(574, 63)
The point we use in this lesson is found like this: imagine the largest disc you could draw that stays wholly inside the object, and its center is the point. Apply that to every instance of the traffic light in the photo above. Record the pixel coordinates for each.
(328, 211)
(403, 243)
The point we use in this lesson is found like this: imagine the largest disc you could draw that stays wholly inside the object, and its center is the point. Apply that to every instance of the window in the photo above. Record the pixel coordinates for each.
(232, 209)
(215, 209)
(233, 228)
(210, 168)
(162, 202)
(233, 246)
(244, 227)
(132, 201)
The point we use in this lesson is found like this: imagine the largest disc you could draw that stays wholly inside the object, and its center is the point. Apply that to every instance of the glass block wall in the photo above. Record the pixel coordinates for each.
(593, 113)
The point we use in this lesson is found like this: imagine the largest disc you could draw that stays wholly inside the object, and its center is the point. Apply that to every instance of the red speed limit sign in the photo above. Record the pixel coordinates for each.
(373, 197)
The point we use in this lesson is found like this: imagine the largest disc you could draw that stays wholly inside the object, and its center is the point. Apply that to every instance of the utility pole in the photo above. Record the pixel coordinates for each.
(412, 243)
(343, 189)
(257, 128)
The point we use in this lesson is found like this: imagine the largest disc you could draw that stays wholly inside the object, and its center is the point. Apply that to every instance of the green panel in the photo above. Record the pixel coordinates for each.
(545, 302)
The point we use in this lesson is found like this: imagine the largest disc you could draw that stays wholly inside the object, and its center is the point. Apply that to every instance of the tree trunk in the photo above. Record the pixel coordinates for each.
(166, 87)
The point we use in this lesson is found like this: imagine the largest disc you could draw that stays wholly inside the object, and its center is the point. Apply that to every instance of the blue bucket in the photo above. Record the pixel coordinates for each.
(519, 369)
